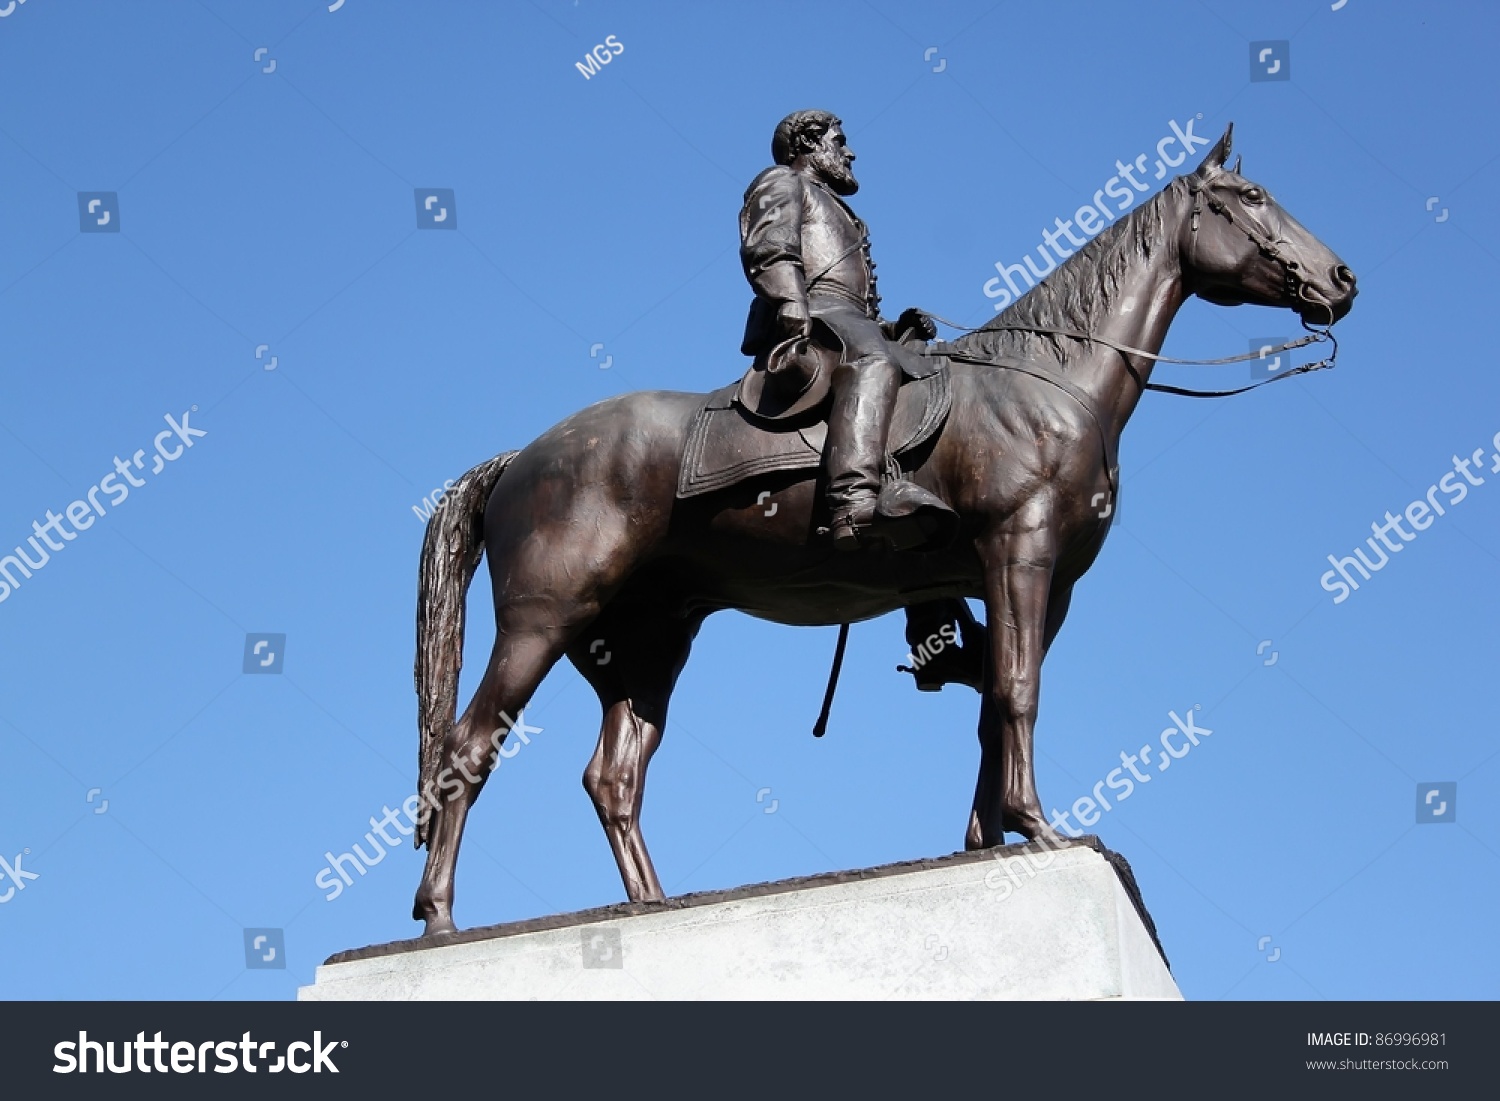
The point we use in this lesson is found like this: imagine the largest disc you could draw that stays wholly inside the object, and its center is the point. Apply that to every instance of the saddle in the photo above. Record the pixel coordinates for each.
(730, 442)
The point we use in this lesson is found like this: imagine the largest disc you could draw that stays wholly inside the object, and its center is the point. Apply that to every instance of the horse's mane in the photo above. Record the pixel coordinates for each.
(1082, 292)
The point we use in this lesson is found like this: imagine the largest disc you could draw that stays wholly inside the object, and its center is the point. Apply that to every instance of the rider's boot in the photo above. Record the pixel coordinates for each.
(862, 505)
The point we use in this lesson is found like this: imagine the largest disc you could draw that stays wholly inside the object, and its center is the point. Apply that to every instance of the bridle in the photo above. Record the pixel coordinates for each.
(1269, 247)
(1293, 284)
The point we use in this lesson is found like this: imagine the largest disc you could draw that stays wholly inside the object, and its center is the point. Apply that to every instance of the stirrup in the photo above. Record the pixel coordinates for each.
(847, 533)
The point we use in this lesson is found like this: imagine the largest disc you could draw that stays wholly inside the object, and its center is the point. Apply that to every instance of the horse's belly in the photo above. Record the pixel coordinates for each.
(815, 585)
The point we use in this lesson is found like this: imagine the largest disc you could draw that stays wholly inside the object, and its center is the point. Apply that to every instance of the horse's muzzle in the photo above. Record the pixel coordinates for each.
(1317, 306)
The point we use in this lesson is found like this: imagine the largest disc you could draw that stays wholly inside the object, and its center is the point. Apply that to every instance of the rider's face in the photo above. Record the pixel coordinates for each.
(833, 160)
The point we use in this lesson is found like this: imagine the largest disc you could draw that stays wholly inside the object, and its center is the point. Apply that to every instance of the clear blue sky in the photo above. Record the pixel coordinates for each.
(278, 208)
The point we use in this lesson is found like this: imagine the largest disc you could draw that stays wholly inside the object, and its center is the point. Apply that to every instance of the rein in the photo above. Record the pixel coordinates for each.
(1314, 336)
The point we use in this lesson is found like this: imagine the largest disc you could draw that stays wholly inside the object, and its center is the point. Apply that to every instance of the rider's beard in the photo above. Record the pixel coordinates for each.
(838, 174)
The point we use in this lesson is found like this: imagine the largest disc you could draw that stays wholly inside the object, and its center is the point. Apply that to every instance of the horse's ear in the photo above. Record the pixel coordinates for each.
(1218, 154)
(1238, 161)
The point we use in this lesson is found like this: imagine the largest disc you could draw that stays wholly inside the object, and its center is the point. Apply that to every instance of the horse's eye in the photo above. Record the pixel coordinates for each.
(1255, 195)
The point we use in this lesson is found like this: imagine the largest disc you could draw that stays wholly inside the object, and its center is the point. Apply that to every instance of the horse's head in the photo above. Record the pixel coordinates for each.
(1240, 247)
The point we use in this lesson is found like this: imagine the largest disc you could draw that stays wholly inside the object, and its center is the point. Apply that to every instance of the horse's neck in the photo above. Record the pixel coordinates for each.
(1146, 301)
(1148, 306)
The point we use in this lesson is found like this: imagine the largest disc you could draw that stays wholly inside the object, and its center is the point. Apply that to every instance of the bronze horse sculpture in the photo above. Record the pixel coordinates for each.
(587, 539)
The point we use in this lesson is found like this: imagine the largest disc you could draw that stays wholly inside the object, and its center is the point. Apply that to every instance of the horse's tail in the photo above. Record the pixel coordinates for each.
(451, 552)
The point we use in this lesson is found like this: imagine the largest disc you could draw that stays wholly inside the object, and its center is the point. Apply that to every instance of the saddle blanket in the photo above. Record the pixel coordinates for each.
(727, 445)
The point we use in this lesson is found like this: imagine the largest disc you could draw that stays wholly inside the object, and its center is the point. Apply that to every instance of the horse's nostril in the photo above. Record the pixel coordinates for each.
(1343, 276)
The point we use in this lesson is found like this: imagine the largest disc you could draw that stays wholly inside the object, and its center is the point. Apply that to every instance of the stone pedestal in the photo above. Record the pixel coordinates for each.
(1020, 922)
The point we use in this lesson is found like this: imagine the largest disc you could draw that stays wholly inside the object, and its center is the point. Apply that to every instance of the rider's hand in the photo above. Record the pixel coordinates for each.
(916, 322)
(794, 320)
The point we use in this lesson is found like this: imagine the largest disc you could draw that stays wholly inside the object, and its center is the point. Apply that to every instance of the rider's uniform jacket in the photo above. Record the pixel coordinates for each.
(799, 242)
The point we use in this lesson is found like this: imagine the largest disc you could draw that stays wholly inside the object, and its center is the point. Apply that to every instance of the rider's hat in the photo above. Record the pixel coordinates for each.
(791, 379)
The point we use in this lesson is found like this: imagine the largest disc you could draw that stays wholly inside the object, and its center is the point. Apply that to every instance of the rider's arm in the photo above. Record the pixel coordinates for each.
(771, 239)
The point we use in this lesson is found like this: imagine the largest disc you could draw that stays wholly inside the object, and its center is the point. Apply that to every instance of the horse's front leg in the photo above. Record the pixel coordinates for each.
(1018, 579)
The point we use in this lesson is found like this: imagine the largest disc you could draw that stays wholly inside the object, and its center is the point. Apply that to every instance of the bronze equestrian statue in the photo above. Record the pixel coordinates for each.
(633, 520)
(807, 256)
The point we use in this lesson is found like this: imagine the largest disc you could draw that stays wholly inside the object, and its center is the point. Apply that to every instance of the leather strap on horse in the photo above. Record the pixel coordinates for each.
(821, 726)
(1314, 336)
(1052, 378)
(1302, 370)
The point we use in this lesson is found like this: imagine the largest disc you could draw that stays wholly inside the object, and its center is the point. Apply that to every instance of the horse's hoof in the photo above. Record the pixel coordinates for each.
(439, 927)
(1033, 827)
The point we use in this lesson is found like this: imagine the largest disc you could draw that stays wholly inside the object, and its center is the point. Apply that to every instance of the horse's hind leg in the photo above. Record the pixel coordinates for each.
(632, 660)
(519, 661)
